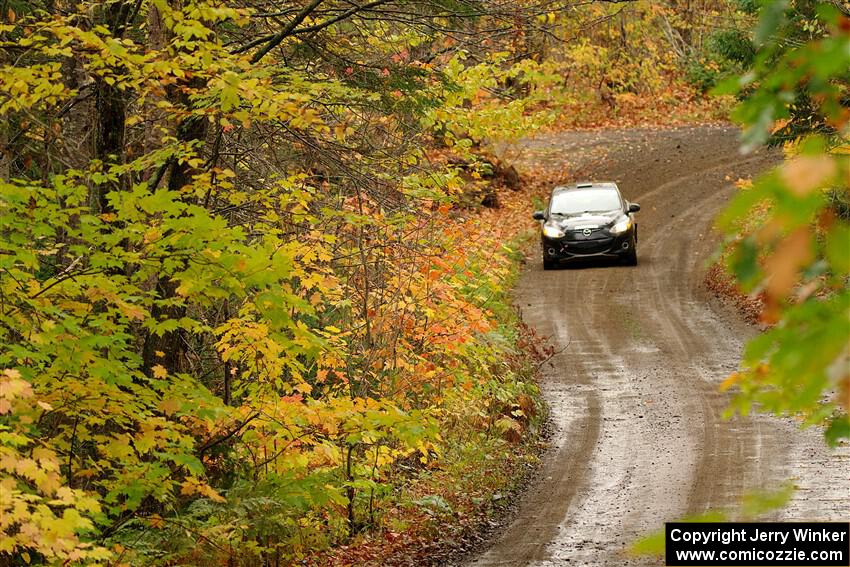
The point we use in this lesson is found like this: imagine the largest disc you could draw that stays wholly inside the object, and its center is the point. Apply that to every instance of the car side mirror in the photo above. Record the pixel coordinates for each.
(539, 215)
(634, 207)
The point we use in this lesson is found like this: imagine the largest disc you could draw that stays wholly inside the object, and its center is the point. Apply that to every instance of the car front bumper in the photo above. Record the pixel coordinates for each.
(557, 249)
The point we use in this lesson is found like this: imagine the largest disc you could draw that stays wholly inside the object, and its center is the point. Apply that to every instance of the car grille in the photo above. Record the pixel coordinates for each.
(589, 246)
(579, 235)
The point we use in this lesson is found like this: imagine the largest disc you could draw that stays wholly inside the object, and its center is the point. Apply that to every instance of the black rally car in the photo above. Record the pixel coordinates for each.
(588, 220)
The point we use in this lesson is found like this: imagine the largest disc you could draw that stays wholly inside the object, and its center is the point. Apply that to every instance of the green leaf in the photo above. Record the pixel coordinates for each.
(770, 18)
(838, 430)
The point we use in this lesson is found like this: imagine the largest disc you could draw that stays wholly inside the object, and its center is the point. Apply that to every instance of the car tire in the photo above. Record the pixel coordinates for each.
(548, 264)
(630, 259)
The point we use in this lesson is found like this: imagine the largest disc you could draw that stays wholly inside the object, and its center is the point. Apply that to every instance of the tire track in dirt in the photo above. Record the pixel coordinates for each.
(638, 436)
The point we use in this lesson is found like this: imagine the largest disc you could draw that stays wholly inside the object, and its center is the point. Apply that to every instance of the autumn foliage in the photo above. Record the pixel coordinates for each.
(789, 235)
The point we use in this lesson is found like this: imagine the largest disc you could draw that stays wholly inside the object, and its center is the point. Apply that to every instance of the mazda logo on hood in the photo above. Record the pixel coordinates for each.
(587, 231)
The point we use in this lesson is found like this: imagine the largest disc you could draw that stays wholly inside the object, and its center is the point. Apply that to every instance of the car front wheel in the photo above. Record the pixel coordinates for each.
(548, 264)
(630, 258)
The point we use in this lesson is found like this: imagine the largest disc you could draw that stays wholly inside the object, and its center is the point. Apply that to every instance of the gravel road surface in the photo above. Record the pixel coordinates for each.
(639, 437)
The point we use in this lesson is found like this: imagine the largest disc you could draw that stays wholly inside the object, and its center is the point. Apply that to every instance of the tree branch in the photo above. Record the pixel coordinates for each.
(275, 39)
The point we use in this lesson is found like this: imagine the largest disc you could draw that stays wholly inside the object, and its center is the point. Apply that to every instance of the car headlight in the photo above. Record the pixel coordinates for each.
(621, 226)
(552, 231)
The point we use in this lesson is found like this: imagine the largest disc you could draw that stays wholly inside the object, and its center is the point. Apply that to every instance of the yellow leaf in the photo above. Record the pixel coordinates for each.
(193, 486)
(12, 373)
(156, 521)
(778, 125)
(729, 381)
(169, 406)
(159, 371)
(131, 311)
(152, 234)
(210, 493)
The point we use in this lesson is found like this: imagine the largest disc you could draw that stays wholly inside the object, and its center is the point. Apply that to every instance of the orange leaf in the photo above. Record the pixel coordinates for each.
(783, 266)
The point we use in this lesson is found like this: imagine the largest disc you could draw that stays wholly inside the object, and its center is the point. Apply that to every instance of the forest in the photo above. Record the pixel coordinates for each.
(257, 258)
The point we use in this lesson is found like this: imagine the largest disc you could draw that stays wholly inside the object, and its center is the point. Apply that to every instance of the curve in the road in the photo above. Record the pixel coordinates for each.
(638, 435)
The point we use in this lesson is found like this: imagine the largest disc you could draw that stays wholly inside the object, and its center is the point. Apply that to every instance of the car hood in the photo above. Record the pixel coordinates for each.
(585, 220)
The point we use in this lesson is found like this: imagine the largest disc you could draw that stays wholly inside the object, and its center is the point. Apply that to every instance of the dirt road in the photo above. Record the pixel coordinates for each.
(639, 437)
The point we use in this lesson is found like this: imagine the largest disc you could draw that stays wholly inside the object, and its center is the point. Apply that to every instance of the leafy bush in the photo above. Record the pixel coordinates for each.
(726, 53)
(733, 45)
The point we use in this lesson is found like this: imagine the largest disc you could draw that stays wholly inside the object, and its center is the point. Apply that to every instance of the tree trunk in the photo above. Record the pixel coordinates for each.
(350, 493)
(111, 114)
(169, 349)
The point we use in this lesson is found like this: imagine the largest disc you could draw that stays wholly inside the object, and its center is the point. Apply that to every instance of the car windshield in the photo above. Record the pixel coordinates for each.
(584, 201)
